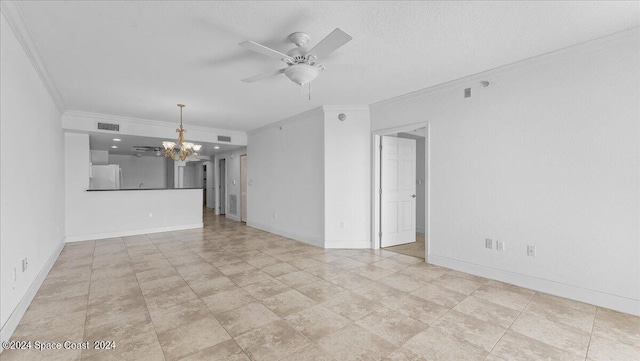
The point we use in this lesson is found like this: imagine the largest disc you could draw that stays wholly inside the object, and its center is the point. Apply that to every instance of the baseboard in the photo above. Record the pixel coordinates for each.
(606, 300)
(305, 239)
(130, 232)
(12, 322)
(348, 244)
(232, 217)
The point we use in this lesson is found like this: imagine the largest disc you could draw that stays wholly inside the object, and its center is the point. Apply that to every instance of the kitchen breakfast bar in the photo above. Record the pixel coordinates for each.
(111, 213)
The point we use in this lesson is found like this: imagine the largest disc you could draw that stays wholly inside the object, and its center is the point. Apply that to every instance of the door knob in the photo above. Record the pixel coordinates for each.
(413, 196)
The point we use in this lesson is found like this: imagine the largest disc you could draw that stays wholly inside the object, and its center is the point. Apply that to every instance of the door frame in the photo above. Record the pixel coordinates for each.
(243, 178)
(376, 213)
(219, 184)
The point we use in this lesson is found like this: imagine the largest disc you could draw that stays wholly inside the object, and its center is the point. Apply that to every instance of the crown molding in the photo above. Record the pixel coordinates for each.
(622, 38)
(13, 13)
(346, 108)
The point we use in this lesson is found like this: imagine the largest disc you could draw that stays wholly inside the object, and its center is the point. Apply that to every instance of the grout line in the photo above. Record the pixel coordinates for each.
(512, 322)
(155, 331)
(86, 312)
(595, 315)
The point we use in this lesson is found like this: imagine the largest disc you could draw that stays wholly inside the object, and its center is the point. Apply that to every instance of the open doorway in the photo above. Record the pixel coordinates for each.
(400, 196)
(223, 186)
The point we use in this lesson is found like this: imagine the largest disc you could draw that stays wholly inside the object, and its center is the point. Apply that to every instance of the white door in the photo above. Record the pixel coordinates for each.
(398, 197)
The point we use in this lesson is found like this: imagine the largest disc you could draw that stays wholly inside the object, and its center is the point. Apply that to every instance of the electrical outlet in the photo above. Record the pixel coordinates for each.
(467, 93)
(500, 245)
(531, 251)
(488, 243)
(341, 224)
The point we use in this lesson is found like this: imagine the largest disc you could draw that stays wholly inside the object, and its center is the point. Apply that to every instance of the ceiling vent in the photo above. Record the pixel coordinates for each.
(109, 126)
(224, 138)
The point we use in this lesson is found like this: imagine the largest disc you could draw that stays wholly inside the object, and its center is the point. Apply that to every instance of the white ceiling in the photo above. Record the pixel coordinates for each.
(140, 58)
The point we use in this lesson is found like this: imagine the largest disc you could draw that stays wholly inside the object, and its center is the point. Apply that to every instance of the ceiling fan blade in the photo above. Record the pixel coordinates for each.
(252, 45)
(330, 43)
(263, 76)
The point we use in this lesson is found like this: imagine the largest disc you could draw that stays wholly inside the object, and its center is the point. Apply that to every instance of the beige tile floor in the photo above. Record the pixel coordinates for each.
(414, 249)
(230, 292)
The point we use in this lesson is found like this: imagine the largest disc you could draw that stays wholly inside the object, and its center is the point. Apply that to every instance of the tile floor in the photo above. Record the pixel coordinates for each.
(414, 249)
(230, 292)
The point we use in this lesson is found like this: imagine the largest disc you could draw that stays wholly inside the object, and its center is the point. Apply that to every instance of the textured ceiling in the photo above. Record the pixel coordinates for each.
(140, 58)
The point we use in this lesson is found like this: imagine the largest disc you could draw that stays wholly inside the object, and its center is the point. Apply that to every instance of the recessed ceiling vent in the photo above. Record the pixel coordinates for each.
(224, 138)
(109, 126)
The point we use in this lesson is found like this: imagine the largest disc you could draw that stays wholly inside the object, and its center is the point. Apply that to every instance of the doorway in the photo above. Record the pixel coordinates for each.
(223, 186)
(400, 190)
(243, 188)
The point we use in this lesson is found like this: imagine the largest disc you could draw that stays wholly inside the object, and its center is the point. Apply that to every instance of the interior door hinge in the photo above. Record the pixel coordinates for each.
(380, 235)
(380, 191)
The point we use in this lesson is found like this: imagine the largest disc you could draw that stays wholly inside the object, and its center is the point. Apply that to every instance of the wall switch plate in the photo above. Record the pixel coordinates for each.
(25, 264)
(275, 215)
(500, 245)
(488, 243)
(467, 93)
(531, 251)
(150, 215)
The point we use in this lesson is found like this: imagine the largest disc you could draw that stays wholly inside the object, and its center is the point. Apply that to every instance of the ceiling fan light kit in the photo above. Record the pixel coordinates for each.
(302, 67)
(302, 74)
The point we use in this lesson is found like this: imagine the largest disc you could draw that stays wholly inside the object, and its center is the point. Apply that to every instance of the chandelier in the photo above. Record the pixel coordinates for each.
(181, 150)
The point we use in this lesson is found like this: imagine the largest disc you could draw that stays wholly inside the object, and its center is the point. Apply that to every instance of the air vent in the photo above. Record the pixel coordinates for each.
(109, 126)
(224, 138)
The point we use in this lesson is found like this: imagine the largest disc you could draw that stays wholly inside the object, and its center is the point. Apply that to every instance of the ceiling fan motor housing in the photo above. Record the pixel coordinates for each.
(299, 38)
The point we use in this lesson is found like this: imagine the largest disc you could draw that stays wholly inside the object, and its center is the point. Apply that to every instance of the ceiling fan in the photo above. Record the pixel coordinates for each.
(302, 67)
(144, 148)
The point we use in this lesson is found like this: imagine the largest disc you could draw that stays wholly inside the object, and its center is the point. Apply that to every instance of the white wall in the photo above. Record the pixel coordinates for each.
(103, 214)
(151, 171)
(309, 177)
(285, 171)
(347, 182)
(547, 155)
(170, 173)
(211, 195)
(232, 160)
(32, 183)
(189, 172)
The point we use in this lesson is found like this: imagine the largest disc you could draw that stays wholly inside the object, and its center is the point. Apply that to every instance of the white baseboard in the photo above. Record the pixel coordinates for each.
(232, 217)
(130, 232)
(606, 300)
(306, 239)
(12, 322)
(348, 244)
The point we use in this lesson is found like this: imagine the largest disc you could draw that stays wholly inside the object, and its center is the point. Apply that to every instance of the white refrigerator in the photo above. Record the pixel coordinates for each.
(105, 177)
